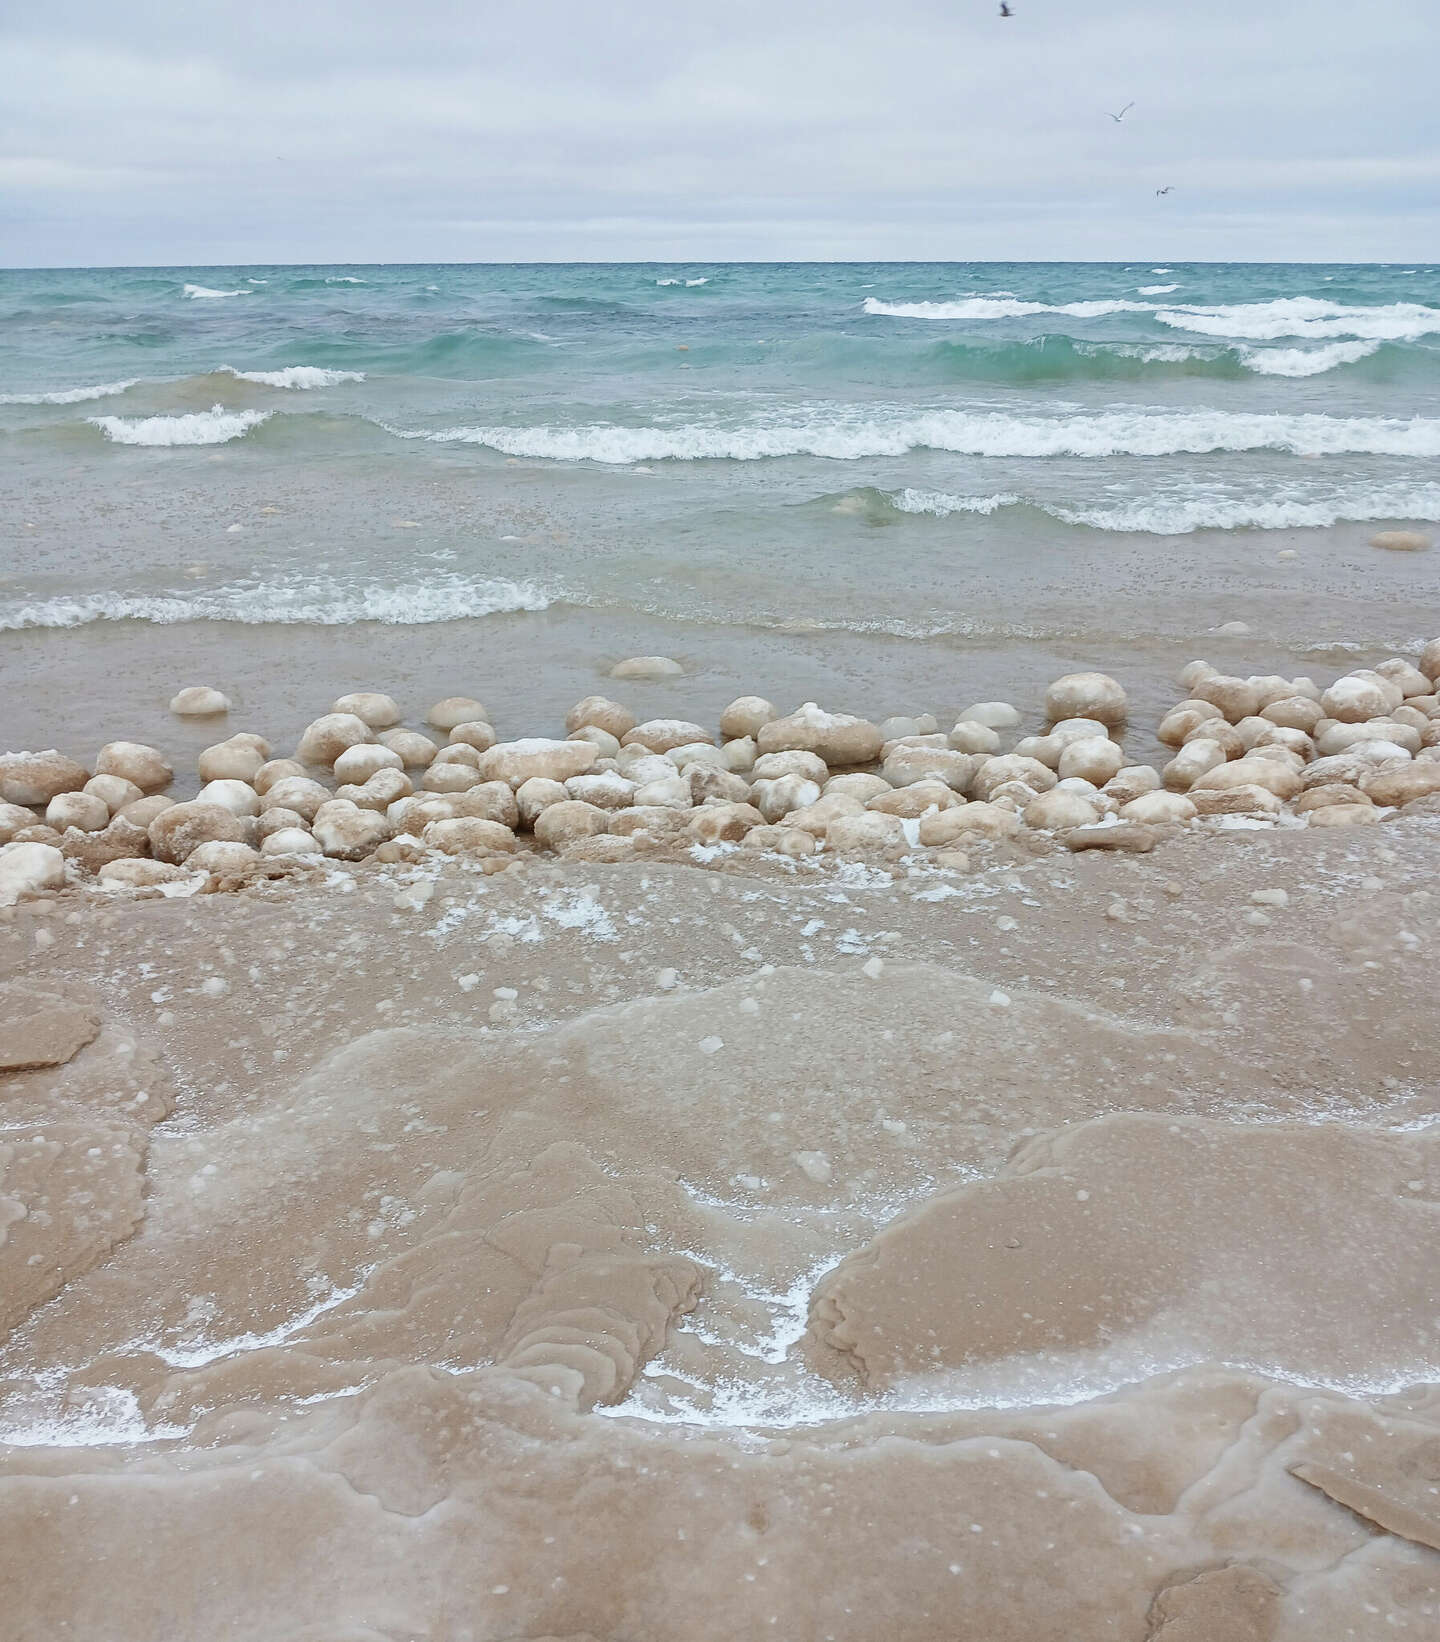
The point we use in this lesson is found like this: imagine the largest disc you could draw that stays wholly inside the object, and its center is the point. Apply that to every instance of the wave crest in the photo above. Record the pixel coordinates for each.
(941, 504)
(1182, 514)
(1305, 361)
(217, 426)
(841, 436)
(1001, 307)
(1305, 317)
(296, 376)
(203, 293)
(68, 396)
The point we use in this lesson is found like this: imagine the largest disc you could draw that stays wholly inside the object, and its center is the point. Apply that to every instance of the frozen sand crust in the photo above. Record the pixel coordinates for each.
(462, 1129)
(1206, 1238)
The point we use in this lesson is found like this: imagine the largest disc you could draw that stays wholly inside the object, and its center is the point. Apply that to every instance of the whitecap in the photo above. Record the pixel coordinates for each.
(1305, 361)
(840, 434)
(1305, 317)
(296, 376)
(1181, 513)
(1179, 516)
(1001, 307)
(203, 293)
(320, 602)
(68, 396)
(942, 504)
(1157, 290)
(217, 426)
(344, 279)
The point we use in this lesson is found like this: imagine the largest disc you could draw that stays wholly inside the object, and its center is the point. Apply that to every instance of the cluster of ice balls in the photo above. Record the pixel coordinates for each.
(361, 786)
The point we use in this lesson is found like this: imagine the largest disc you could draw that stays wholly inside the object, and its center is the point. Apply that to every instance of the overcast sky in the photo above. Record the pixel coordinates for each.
(151, 131)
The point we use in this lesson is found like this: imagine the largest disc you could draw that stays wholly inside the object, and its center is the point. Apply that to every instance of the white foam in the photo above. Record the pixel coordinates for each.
(296, 376)
(68, 396)
(942, 504)
(203, 293)
(217, 426)
(1180, 514)
(704, 280)
(320, 603)
(851, 433)
(1305, 361)
(1315, 318)
(1001, 307)
(344, 279)
(1306, 317)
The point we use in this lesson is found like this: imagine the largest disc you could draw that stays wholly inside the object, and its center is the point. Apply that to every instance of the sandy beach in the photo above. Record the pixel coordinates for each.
(1013, 1228)
(720, 823)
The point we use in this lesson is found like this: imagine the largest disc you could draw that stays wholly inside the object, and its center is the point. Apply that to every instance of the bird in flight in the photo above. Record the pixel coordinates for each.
(1005, 10)
(1121, 115)
(1169, 188)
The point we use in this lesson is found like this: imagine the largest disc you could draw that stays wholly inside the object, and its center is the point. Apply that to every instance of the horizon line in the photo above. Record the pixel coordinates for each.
(726, 262)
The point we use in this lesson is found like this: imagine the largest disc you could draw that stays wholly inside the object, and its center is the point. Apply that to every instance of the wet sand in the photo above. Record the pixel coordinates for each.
(658, 1250)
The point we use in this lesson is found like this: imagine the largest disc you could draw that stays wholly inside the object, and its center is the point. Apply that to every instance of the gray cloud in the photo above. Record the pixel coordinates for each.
(157, 133)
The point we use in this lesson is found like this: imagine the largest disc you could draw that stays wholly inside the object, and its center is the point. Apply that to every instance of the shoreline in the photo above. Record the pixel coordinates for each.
(115, 678)
(361, 782)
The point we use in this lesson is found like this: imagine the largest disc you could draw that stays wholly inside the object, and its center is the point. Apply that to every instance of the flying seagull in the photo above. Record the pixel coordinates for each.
(1005, 10)
(1121, 115)
(1169, 188)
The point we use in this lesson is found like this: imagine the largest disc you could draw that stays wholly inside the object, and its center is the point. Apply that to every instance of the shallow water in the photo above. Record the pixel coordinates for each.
(226, 460)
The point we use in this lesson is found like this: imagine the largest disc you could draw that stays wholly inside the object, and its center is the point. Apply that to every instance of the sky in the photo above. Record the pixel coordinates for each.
(162, 133)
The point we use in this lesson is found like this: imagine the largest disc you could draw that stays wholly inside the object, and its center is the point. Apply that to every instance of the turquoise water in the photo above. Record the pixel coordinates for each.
(1049, 452)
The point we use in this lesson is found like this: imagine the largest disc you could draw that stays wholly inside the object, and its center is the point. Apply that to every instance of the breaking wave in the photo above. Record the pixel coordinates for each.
(203, 293)
(217, 426)
(942, 504)
(296, 376)
(1181, 514)
(313, 602)
(1306, 361)
(841, 436)
(1306, 317)
(68, 396)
